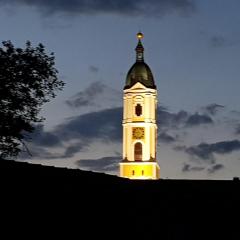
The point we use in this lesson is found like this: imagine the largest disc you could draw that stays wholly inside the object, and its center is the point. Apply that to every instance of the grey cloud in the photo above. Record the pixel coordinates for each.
(198, 119)
(36, 152)
(206, 151)
(179, 148)
(97, 95)
(189, 168)
(217, 41)
(93, 69)
(202, 151)
(40, 142)
(212, 109)
(42, 138)
(166, 138)
(105, 124)
(101, 164)
(180, 119)
(72, 149)
(47, 152)
(121, 7)
(237, 130)
(76, 134)
(86, 97)
(216, 167)
(212, 169)
(171, 120)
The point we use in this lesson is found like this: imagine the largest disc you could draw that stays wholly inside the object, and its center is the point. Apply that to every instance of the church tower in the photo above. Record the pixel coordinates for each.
(139, 121)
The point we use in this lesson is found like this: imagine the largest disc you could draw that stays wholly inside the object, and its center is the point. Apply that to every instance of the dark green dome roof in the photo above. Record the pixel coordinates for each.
(140, 72)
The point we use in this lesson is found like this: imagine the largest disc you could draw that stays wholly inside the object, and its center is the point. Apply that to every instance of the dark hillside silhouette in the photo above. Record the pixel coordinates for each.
(96, 204)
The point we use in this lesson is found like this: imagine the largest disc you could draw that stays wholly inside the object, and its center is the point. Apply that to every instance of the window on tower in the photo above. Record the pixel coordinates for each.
(138, 152)
(138, 110)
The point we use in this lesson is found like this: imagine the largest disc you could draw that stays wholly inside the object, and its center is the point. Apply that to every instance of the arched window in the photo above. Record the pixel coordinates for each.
(138, 110)
(138, 152)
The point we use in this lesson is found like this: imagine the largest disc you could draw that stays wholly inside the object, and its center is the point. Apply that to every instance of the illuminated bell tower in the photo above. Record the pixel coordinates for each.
(139, 121)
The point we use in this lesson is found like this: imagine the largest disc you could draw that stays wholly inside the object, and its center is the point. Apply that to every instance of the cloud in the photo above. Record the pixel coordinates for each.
(36, 152)
(80, 131)
(171, 120)
(202, 151)
(41, 142)
(121, 7)
(198, 119)
(206, 151)
(72, 149)
(42, 138)
(180, 119)
(86, 97)
(48, 152)
(218, 41)
(166, 138)
(215, 168)
(212, 109)
(101, 164)
(93, 69)
(237, 130)
(98, 95)
(75, 135)
(105, 125)
(189, 168)
(212, 169)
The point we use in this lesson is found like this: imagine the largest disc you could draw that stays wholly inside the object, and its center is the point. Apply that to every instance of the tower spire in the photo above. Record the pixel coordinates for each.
(139, 48)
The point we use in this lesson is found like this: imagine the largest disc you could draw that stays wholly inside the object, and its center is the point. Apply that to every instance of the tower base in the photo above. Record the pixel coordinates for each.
(139, 170)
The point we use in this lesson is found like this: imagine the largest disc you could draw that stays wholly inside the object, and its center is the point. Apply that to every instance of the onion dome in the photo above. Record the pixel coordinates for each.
(140, 71)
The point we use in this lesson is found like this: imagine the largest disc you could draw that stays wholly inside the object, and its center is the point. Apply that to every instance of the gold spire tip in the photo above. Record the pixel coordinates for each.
(140, 36)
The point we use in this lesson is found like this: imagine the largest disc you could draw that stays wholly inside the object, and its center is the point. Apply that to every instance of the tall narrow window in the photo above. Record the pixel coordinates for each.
(138, 152)
(138, 110)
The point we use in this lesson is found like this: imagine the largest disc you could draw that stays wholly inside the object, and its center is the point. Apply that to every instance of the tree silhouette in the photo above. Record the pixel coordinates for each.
(28, 79)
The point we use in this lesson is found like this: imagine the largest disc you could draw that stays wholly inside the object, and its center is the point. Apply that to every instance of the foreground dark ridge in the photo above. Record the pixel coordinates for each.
(170, 209)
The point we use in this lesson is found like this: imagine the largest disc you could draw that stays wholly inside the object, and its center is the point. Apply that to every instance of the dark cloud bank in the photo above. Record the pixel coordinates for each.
(95, 95)
(100, 164)
(107, 125)
(218, 41)
(205, 151)
(212, 109)
(78, 132)
(86, 97)
(211, 169)
(121, 7)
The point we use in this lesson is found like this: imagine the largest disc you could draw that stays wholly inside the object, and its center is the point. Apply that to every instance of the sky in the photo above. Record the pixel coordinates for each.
(193, 50)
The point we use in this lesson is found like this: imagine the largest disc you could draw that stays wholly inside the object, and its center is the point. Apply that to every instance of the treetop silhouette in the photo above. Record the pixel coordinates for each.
(28, 79)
